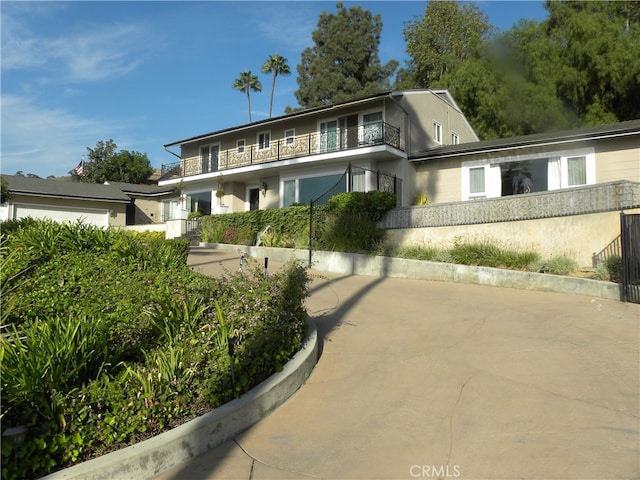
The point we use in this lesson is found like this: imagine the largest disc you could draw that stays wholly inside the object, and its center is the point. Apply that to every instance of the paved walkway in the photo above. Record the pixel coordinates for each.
(422, 379)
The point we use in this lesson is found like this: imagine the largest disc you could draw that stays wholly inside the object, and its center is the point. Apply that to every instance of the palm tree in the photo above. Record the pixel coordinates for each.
(245, 82)
(277, 65)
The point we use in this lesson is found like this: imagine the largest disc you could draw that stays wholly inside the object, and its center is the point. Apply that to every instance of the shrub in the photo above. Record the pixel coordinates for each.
(614, 267)
(288, 222)
(489, 254)
(350, 232)
(373, 204)
(561, 265)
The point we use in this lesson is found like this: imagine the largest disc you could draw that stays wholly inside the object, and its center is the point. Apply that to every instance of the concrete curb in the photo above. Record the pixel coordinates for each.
(358, 264)
(185, 442)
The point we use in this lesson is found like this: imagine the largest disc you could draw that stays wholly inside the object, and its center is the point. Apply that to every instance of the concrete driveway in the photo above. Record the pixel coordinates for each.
(421, 379)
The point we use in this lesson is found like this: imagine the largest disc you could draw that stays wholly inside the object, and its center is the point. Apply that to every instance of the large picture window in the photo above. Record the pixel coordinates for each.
(528, 173)
(303, 190)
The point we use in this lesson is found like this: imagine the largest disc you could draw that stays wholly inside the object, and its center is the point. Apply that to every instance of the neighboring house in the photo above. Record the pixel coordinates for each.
(147, 202)
(116, 204)
(297, 157)
(531, 163)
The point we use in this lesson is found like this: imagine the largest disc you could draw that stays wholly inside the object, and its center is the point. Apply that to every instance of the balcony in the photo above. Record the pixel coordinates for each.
(318, 143)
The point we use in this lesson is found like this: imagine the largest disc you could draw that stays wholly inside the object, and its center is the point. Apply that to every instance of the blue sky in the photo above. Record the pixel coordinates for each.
(149, 73)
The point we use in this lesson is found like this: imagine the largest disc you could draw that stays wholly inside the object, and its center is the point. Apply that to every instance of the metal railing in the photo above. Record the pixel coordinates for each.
(317, 143)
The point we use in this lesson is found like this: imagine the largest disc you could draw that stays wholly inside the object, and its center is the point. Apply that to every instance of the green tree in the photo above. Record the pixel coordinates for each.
(5, 193)
(344, 63)
(105, 163)
(246, 82)
(599, 53)
(510, 89)
(277, 65)
(447, 35)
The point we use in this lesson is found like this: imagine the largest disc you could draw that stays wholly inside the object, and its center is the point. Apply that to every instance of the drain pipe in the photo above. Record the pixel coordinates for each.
(172, 153)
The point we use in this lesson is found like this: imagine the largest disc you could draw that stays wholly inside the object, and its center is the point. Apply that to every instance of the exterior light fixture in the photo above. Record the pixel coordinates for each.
(263, 187)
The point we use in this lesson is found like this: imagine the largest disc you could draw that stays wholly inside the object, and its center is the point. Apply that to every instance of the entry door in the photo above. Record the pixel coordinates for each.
(254, 199)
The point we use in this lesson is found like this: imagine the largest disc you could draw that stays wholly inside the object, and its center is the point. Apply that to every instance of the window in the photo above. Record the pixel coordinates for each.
(358, 180)
(476, 182)
(372, 127)
(577, 171)
(240, 146)
(288, 193)
(199, 202)
(455, 138)
(437, 132)
(209, 158)
(290, 136)
(329, 136)
(264, 140)
(303, 190)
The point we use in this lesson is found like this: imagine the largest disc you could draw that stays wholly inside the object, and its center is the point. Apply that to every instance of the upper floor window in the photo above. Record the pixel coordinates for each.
(290, 136)
(437, 132)
(264, 140)
(209, 158)
(240, 146)
(372, 127)
(455, 138)
(328, 136)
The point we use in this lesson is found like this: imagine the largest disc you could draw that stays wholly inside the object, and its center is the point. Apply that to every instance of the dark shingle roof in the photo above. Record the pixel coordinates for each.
(64, 189)
(601, 131)
(142, 190)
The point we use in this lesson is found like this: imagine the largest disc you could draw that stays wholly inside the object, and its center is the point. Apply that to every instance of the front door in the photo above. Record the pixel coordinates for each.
(254, 199)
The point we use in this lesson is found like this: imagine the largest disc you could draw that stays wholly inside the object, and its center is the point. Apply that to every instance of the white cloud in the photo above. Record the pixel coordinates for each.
(49, 141)
(290, 27)
(97, 53)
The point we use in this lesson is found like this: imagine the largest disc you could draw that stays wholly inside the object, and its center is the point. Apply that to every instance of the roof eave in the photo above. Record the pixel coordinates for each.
(301, 113)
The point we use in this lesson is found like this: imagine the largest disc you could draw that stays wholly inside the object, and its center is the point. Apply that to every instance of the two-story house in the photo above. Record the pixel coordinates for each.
(294, 158)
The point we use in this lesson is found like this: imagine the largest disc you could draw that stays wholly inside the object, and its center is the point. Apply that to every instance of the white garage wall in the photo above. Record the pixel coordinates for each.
(90, 216)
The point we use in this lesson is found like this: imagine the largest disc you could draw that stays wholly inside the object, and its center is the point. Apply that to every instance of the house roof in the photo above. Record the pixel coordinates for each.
(65, 189)
(136, 190)
(631, 127)
(444, 95)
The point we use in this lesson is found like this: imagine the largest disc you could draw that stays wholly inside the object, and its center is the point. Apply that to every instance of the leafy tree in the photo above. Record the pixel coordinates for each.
(578, 67)
(447, 35)
(246, 82)
(105, 163)
(277, 65)
(5, 193)
(344, 63)
(599, 52)
(510, 89)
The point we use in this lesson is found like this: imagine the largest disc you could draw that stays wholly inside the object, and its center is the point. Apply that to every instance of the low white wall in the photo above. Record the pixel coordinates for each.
(357, 264)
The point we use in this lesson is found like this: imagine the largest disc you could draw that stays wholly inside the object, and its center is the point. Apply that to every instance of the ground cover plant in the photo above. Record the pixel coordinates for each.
(108, 338)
